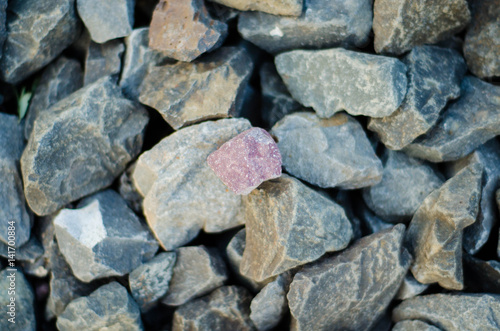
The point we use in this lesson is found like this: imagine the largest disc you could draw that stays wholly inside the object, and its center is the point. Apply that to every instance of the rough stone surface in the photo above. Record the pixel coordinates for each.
(109, 307)
(106, 20)
(103, 60)
(481, 276)
(327, 152)
(80, 145)
(275, 7)
(410, 288)
(29, 252)
(24, 311)
(211, 87)
(371, 222)
(401, 25)
(462, 312)
(498, 204)
(322, 24)
(350, 291)
(183, 30)
(434, 76)
(415, 325)
(56, 25)
(482, 40)
(149, 282)
(91, 235)
(434, 236)
(336, 79)
(128, 191)
(225, 309)
(465, 125)
(287, 225)
(177, 208)
(3, 24)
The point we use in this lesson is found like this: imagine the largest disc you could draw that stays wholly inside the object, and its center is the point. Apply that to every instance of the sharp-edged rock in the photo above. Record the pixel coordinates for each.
(410, 288)
(17, 300)
(103, 60)
(275, 7)
(128, 191)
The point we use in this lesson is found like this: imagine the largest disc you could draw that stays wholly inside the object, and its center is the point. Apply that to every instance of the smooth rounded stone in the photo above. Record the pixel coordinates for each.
(183, 30)
(128, 191)
(225, 309)
(465, 125)
(351, 290)
(434, 76)
(61, 78)
(435, 234)
(331, 152)
(103, 60)
(287, 225)
(198, 270)
(211, 87)
(336, 79)
(182, 194)
(80, 145)
(102, 225)
(460, 312)
(482, 40)
(20, 313)
(56, 25)
(399, 26)
(322, 24)
(107, 20)
(275, 7)
(406, 182)
(110, 307)
(414, 325)
(481, 276)
(410, 288)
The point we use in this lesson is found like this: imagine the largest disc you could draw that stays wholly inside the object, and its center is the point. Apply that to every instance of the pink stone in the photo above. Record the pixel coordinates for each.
(247, 160)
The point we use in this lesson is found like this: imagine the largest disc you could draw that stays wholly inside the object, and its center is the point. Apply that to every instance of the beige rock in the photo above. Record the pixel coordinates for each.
(275, 7)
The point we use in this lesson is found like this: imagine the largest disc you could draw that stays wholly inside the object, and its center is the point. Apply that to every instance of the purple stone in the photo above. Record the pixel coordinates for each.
(247, 160)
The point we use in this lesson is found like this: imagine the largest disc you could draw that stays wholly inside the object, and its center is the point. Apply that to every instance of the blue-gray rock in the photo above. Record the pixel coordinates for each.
(372, 223)
(331, 152)
(80, 145)
(27, 253)
(275, 7)
(103, 60)
(336, 79)
(410, 288)
(128, 191)
(481, 276)
(18, 314)
(414, 325)
(434, 76)
(322, 24)
(3, 24)
(25, 52)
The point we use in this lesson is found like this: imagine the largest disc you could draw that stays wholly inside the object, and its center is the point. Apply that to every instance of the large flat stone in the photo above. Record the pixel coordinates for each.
(275, 7)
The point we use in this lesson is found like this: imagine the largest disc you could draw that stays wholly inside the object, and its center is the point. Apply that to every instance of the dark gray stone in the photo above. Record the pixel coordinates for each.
(275, 7)
(372, 222)
(481, 276)
(410, 288)
(80, 145)
(415, 325)
(128, 191)
(23, 311)
(103, 60)
(498, 204)
(3, 24)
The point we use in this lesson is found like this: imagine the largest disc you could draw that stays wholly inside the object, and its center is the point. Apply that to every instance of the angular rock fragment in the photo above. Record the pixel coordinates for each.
(275, 7)
(322, 24)
(211, 87)
(435, 233)
(414, 325)
(350, 291)
(481, 276)
(336, 79)
(21, 310)
(401, 25)
(183, 30)
(410, 288)
(197, 271)
(434, 76)
(372, 222)
(128, 191)
(91, 235)
(327, 152)
(29, 252)
(80, 145)
(103, 60)
(287, 225)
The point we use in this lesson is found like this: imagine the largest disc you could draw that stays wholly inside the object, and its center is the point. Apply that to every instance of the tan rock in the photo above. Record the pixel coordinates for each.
(275, 7)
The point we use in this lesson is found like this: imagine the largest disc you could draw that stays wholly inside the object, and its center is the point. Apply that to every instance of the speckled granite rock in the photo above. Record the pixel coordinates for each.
(275, 7)
(103, 60)
(22, 310)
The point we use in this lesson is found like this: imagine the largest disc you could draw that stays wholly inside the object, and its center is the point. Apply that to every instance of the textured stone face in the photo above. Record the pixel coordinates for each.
(331, 152)
(128, 191)
(434, 76)
(275, 7)
(351, 290)
(410, 288)
(80, 145)
(435, 233)
(322, 24)
(211, 87)
(3, 21)
(183, 30)
(24, 301)
(400, 25)
(414, 326)
(103, 60)
(336, 79)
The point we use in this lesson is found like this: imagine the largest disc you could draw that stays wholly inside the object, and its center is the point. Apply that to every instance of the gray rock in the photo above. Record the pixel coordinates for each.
(109, 307)
(434, 236)
(401, 25)
(275, 7)
(61, 78)
(406, 182)
(20, 313)
(327, 152)
(350, 291)
(106, 20)
(103, 60)
(287, 225)
(149, 282)
(197, 271)
(372, 222)
(465, 125)
(56, 25)
(225, 309)
(434, 76)
(482, 39)
(415, 325)
(29, 252)
(3, 24)
(498, 204)
(211, 87)
(174, 176)
(91, 235)
(322, 24)
(128, 191)
(481, 276)
(410, 288)
(336, 79)
(461, 312)
(221, 12)
(80, 145)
